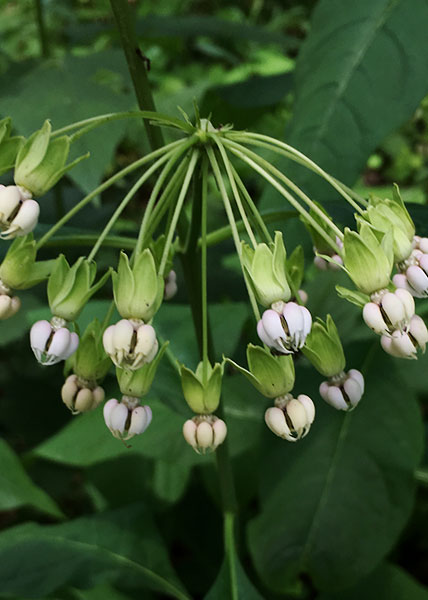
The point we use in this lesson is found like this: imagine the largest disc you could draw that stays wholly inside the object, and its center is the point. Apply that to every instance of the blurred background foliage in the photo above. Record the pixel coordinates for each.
(340, 515)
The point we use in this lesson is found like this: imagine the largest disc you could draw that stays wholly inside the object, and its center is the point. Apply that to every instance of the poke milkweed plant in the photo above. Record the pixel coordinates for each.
(382, 255)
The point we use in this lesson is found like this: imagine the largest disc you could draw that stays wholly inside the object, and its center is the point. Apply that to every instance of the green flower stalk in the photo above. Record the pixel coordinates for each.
(272, 376)
(69, 288)
(266, 270)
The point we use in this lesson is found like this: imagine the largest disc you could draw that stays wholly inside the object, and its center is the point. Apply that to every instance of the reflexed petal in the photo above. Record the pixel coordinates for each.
(39, 335)
(336, 399)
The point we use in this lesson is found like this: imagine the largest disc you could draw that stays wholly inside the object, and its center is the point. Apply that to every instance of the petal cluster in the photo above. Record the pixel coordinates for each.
(291, 418)
(343, 392)
(52, 342)
(286, 329)
(130, 343)
(79, 397)
(126, 418)
(204, 433)
(19, 213)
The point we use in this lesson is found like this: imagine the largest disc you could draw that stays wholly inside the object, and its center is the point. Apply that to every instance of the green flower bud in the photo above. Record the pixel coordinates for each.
(137, 383)
(266, 270)
(19, 269)
(272, 376)
(69, 288)
(138, 291)
(90, 362)
(368, 261)
(203, 398)
(324, 348)
(41, 161)
(385, 214)
(9, 146)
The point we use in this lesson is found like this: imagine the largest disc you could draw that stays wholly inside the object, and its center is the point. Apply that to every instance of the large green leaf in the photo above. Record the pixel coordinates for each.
(361, 72)
(388, 582)
(85, 552)
(67, 90)
(233, 583)
(335, 503)
(17, 489)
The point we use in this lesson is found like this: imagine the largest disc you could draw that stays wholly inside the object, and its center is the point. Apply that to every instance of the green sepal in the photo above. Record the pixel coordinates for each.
(69, 288)
(324, 349)
(41, 161)
(19, 269)
(368, 261)
(352, 296)
(138, 290)
(9, 146)
(202, 398)
(272, 376)
(90, 362)
(266, 271)
(137, 383)
(157, 247)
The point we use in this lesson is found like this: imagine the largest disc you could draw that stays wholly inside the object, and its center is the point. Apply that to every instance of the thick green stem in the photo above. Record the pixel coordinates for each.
(41, 26)
(137, 67)
(204, 285)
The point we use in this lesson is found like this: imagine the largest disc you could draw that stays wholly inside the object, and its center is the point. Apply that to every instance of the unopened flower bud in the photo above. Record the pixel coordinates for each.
(266, 270)
(79, 397)
(19, 213)
(170, 285)
(9, 306)
(130, 344)
(52, 342)
(285, 329)
(291, 418)
(204, 433)
(126, 418)
(344, 391)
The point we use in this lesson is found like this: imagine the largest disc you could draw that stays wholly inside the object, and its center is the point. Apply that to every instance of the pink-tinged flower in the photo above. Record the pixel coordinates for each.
(405, 343)
(127, 418)
(345, 391)
(52, 342)
(130, 344)
(204, 433)
(389, 311)
(291, 418)
(170, 285)
(79, 397)
(285, 330)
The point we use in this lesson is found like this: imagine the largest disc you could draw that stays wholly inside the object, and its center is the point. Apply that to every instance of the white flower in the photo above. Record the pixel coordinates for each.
(389, 311)
(170, 285)
(78, 397)
(285, 329)
(291, 418)
(343, 392)
(130, 344)
(9, 306)
(405, 343)
(52, 342)
(127, 418)
(19, 213)
(204, 433)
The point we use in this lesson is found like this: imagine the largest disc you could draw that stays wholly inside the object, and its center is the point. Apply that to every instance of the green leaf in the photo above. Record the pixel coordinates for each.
(85, 552)
(361, 72)
(17, 489)
(388, 582)
(170, 480)
(345, 492)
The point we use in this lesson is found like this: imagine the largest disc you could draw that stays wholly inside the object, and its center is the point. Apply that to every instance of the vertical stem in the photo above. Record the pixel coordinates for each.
(136, 66)
(44, 46)
(204, 300)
